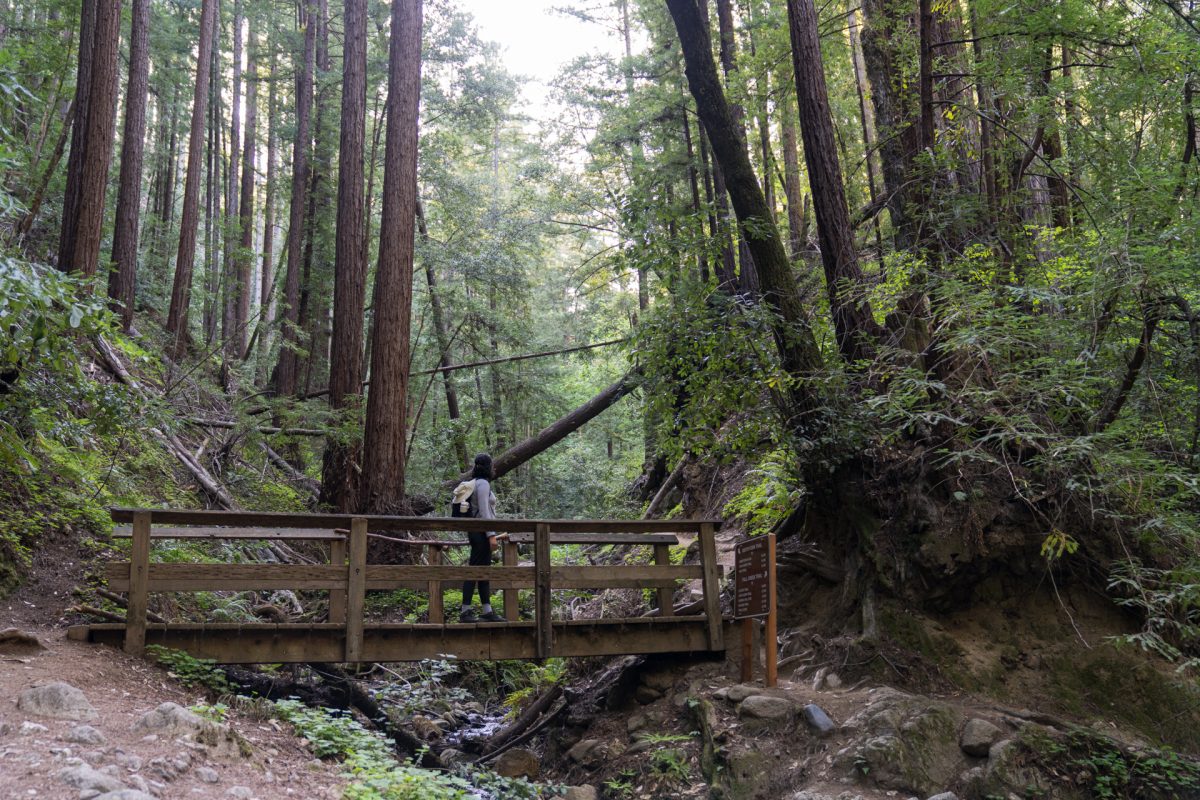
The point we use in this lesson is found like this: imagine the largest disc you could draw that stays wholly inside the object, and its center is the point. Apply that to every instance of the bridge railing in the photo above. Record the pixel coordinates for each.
(348, 575)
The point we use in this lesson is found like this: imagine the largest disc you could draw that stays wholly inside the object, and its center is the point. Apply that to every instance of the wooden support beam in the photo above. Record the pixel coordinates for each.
(666, 595)
(282, 534)
(771, 634)
(139, 591)
(541, 561)
(512, 597)
(357, 591)
(435, 557)
(712, 585)
(337, 595)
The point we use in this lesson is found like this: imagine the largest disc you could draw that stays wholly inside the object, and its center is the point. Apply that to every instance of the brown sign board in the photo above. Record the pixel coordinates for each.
(752, 579)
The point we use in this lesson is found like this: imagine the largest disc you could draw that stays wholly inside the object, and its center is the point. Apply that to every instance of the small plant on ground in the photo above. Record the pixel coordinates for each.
(191, 671)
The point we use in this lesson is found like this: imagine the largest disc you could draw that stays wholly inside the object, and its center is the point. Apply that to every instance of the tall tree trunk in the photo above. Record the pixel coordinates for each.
(694, 183)
(340, 471)
(866, 119)
(853, 324)
(122, 279)
(793, 335)
(75, 159)
(211, 305)
(245, 255)
(797, 230)
(747, 279)
(387, 403)
(287, 372)
(441, 329)
(181, 289)
(267, 276)
(97, 140)
(230, 262)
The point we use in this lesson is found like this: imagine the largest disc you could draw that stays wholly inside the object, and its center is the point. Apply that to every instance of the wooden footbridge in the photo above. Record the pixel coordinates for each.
(347, 576)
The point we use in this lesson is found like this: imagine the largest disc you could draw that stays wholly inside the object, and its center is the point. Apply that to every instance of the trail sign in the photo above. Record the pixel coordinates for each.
(752, 574)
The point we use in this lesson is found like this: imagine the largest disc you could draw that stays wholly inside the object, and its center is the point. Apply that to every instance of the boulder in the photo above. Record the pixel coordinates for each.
(208, 775)
(240, 792)
(818, 721)
(33, 728)
(450, 757)
(944, 796)
(636, 723)
(85, 779)
(585, 751)
(84, 734)
(518, 763)
(978, 736)
(646, 694)
(126, 794)
(58, 700)
(15, 641)
(738, 693)
(170, 719)
(581, 793)
(766, 707)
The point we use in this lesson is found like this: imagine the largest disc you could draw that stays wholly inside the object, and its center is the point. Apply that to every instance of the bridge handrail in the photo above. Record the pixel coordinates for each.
(348, 575)
(382, 523)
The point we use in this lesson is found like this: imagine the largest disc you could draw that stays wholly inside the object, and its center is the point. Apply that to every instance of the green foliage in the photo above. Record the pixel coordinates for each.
(190, 671)
(1106, 771)
(772, 492)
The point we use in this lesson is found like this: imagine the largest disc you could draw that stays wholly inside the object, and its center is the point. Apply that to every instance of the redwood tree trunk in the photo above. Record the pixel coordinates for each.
(122, 279)
(245, 256)
(793, 334)
(181, 289)
(387, 402)
(75, 158)
(97, 140)
(289, 362)
(853, 324)
(339, 484)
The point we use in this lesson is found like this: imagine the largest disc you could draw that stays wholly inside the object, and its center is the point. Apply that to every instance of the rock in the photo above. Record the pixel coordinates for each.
(86, 778)
(94, 757)
(171, 719)
(32, 728)
(818, 720)
(584, 750)
(721, 694)
(208, 775)
(518, 763)
(426, 728)
(978, 736)
(240, 792)
(944, 796)
(661, 681)
(807, 795)
(766, 707)
(6, 729)
(646, 695)
(84, 734)
(58, 700)
(15, 640)
(636, 723)
(450, 756)
(129, 761)
(139, 783)
(126, 794)
(581, 793)
(832, 681)
(736, 694)
(639, 747)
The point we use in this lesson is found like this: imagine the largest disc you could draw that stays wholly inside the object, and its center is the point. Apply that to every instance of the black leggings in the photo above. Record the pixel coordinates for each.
(481, 556)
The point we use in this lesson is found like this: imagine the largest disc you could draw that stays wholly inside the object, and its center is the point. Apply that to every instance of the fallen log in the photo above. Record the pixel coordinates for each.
(281, 464)
(526, 718)
(558, 430)
(661, 495)
(529, 734)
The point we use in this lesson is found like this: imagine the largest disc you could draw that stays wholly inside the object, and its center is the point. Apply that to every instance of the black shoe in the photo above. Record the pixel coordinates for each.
(491, 616)
(468, 616)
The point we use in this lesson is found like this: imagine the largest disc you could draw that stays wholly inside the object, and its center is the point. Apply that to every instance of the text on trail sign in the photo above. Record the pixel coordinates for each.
(752, 576)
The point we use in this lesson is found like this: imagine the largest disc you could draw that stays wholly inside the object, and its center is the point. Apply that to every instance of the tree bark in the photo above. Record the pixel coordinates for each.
(558, 430)
(97, 141)
(245, 255)
(232, 259)
(267, 276)
(387, 402)
(793, 335)
(287, 371)
(75, 158)
(747, 279)
(854, 326)
(181, 289)
(340, 471)
(866, 120)
(123, 278)
(797, 229)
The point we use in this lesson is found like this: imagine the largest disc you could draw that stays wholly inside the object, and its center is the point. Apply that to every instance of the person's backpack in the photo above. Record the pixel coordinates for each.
(463, 503)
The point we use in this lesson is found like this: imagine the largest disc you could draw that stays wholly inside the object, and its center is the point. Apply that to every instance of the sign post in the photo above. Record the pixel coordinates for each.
(755, 597)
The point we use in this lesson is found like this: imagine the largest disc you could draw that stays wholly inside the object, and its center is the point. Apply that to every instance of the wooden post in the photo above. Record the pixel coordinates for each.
(437, 615)
(712, 586)
(356, 594)
(771, 636)
(541, 563)
(666, 596)
(337, 597)
(512, 597)
(139, 574)
(747, 650)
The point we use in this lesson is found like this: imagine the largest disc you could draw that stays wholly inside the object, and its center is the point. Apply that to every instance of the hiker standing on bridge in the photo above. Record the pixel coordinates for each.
(483, 503)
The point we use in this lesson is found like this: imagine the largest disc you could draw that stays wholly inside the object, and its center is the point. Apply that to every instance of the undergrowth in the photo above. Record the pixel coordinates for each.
(1098, 767)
